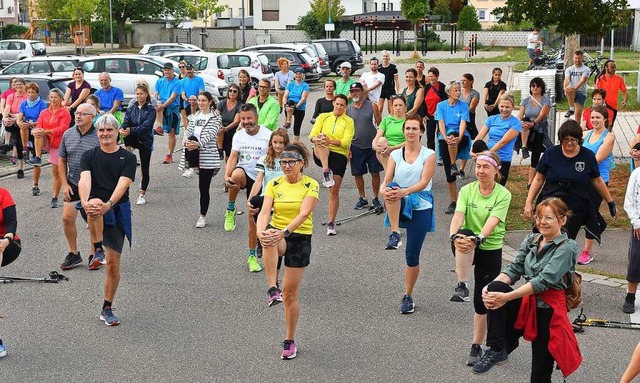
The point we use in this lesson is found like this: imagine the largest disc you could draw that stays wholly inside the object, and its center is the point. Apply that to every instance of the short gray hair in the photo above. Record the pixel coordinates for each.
(57, 91)
(107, 119)
(451, 85)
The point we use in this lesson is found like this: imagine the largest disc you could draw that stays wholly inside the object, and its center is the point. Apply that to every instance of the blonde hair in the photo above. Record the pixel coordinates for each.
(508, 97)
(493, 156)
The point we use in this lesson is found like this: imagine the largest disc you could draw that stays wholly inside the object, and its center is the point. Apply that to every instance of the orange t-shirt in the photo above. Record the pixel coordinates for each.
(611, 85)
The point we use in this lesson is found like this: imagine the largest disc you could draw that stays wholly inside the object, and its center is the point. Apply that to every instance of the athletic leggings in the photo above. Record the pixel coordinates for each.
(298, 116)
(536, 148)
(504, 172)
(596, 198)
(204, 182)
(145, 160)
(432, 125)
(416, 232)
(16, 139)
(501, 333)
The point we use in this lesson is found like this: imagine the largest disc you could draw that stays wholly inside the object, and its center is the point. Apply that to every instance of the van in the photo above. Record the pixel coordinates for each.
(341, 50)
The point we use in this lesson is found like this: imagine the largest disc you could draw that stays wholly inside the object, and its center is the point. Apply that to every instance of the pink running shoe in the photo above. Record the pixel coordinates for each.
(585, 257)
(289, 350)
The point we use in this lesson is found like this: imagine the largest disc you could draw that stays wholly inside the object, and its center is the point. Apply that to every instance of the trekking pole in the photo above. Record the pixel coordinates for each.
(583, 321)
(54, 277)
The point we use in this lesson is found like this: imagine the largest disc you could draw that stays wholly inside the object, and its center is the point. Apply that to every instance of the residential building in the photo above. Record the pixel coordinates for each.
(9, 11)
(484, 9)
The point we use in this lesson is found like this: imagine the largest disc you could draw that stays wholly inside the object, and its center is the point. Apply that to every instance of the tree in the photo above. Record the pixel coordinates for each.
(414, 10)
(124, 10)
(468, 19)
(442, 8)
(314, 29)
(205, 8)
(590, 17)
(320, 9)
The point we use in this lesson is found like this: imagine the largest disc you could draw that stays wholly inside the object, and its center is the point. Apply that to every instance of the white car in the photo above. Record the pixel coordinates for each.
(42, 65)
(255, 63)
(298, 47)
(14, 50)
(149, 48)
(214, 64)
(125, 70)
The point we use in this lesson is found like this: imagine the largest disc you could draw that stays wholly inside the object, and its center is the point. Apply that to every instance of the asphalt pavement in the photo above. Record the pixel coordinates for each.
(191, 311)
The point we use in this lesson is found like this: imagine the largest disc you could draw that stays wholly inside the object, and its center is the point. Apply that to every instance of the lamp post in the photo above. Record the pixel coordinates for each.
(111, 24)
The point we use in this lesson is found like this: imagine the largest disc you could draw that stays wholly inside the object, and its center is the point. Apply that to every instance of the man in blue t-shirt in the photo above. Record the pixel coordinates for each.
(167, 92)
(192, 85)
(111, 98)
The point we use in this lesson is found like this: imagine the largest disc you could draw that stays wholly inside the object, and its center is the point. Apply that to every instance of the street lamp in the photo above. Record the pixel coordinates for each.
(111, 24)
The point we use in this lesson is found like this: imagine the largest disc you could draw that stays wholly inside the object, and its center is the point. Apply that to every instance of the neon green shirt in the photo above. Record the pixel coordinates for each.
(392, 128)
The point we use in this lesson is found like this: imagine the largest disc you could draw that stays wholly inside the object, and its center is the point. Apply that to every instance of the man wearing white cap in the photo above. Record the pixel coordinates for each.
(344, 84)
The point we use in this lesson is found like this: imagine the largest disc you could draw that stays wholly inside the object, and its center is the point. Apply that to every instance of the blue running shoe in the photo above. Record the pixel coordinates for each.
(109, 318)
(394, 241)
(97, 260)
(361, 204)
(3, 349)
(407, 306)
(489, 359)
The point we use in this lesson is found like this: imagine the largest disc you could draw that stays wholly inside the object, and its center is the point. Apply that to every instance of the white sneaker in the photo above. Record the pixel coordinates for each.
(202, 222)
(141, 200)
(188, 173)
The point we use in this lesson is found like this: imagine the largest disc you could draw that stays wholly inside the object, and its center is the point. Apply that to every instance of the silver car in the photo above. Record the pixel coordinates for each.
(14, 50)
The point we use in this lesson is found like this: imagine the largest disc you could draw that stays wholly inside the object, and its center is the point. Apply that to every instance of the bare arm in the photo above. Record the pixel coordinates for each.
(633, 370)
(536, 186)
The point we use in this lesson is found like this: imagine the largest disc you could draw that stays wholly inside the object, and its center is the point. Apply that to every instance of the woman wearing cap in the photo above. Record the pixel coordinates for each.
(344, 84)
(282, 78)
(287, 233)
(477, 236)
(295, 97)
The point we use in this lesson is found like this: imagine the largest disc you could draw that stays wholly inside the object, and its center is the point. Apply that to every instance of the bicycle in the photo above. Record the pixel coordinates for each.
(595, 64)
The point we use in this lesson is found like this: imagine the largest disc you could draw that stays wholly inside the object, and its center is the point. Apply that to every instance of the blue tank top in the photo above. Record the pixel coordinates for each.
(605, 165)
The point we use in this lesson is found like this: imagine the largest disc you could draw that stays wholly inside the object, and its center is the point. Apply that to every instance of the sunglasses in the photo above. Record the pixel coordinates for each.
(569, 141)
(233, 91)
(180, 66)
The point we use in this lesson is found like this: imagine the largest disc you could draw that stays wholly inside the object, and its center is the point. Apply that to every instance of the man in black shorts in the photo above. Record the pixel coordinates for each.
(107, 172)
(331, 137)
(75, 142)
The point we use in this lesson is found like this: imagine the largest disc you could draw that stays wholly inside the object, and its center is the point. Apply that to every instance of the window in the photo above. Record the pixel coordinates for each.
(230, 12)
(143, 67)
(39, 67)
(223, 62)
(63, 66)
(116, 66)
(92, 66)
(482, 15)
(496, 17)
(4, 45)
(291, 27)
(17, 68)
(218, 15)
(270, 10)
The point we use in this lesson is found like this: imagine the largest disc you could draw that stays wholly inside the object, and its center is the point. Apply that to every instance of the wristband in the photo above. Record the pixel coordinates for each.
(286, 232)
(453, 237)
(479, 239)
(111, 202)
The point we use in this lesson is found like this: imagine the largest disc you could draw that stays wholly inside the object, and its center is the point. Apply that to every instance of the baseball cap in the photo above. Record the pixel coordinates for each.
(356, 85)
(298, 70)
(345, 64)
(189, 66)
(167, 66)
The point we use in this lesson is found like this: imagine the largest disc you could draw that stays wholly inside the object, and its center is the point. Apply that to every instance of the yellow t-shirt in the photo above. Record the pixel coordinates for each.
(287, 200)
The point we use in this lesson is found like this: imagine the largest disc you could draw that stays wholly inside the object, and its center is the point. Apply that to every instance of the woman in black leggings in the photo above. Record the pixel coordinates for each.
(137, 131)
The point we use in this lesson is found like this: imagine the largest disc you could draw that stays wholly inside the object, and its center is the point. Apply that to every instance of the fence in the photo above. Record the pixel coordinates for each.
(622, 38)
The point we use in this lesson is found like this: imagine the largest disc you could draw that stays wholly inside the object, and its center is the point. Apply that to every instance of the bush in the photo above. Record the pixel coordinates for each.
(315, 30)
(100, 35)
(468, 19)
(12, 31)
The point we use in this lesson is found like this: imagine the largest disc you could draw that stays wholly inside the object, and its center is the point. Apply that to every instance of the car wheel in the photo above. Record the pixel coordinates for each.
(336, 68)
(254, 83)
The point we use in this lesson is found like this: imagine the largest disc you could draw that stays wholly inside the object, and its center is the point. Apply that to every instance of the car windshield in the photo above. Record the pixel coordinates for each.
(63, 65)
(321, 51)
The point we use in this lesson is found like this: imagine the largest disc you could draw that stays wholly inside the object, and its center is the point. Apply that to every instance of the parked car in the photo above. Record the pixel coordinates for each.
(304, 47)
(214, 64)
(297, 59)
(149, 48)
(322, 55)
(126, 69)
(45, 82)
(341, 50)
(14, 50)
(257, 64)
(42, 64)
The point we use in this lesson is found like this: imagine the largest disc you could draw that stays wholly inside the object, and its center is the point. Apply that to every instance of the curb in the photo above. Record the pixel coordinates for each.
(509, 254)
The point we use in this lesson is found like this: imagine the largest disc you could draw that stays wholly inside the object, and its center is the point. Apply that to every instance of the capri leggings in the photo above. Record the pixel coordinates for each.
(417, 229)
(487, 267)
(537, 148)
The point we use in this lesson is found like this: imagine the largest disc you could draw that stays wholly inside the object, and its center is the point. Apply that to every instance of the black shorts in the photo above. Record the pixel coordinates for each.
(75, 197)
(633, 267)
(337, 163)
(298, 251)
(113, 237)
(387, 93)
(11, 253)
(248, 181)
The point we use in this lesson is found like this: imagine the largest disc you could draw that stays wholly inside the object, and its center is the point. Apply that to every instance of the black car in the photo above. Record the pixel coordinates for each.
(297, 60)
(45, 82)
(341, 50)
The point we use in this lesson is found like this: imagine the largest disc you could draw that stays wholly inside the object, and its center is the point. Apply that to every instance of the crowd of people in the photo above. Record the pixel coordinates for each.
(90, 141)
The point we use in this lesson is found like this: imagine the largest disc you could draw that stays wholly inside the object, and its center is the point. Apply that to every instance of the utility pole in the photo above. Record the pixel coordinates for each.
(244, 39)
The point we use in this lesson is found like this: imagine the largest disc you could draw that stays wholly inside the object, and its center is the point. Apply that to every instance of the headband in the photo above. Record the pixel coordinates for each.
(490, 160)
(294, 155)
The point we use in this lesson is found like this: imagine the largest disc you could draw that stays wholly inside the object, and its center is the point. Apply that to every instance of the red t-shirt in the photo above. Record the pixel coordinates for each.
(5, 201)
(7, 92)
(611, 85)
(586, 116)
(432, 98)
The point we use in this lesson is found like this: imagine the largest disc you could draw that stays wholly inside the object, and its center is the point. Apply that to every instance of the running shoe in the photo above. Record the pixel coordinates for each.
(13, 160)
(26, 157)
(475, 355)
(462, 175)
(3, 349)
(188, 173)
(629, 306)
(141, 200)
(376, 203)
(489, 359)
(97, 260)
(454, 170)
(254, 265)
(202, 222)
(407, 306)
(167, 159)
(394, 241)
(274, 295)
(109, 318)
(525, 153)
(361, 204)
(451, 209)
(585, 257)
(20, 174)
(158, 131)
(328, 179)
(289, 350)
(439, 162)
(35, 190)
(569, 113)
(230, 219)
(54, 203)
(35, 161)
(71, 261)
(331, 229)
(461, 293)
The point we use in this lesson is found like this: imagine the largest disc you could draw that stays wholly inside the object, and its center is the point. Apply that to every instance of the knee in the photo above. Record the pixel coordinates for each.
(289, 295)
(68, 219)
(498, 286)
(413, 260)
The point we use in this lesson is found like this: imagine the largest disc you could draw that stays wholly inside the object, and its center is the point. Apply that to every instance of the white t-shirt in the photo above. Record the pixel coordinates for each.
(369, 78)
(532, 37)
(250, 149)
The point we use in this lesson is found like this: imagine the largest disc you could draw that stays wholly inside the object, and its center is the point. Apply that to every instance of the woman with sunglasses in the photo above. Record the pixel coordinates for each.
(229, 110)
(407, 191)
(533, 114)
(536, 309)
(568, 171)
(390, 135)
(77, 91)
(287, 233)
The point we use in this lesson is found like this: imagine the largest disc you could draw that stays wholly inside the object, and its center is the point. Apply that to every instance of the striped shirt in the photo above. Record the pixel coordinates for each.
(72, 146)
(205, 127)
